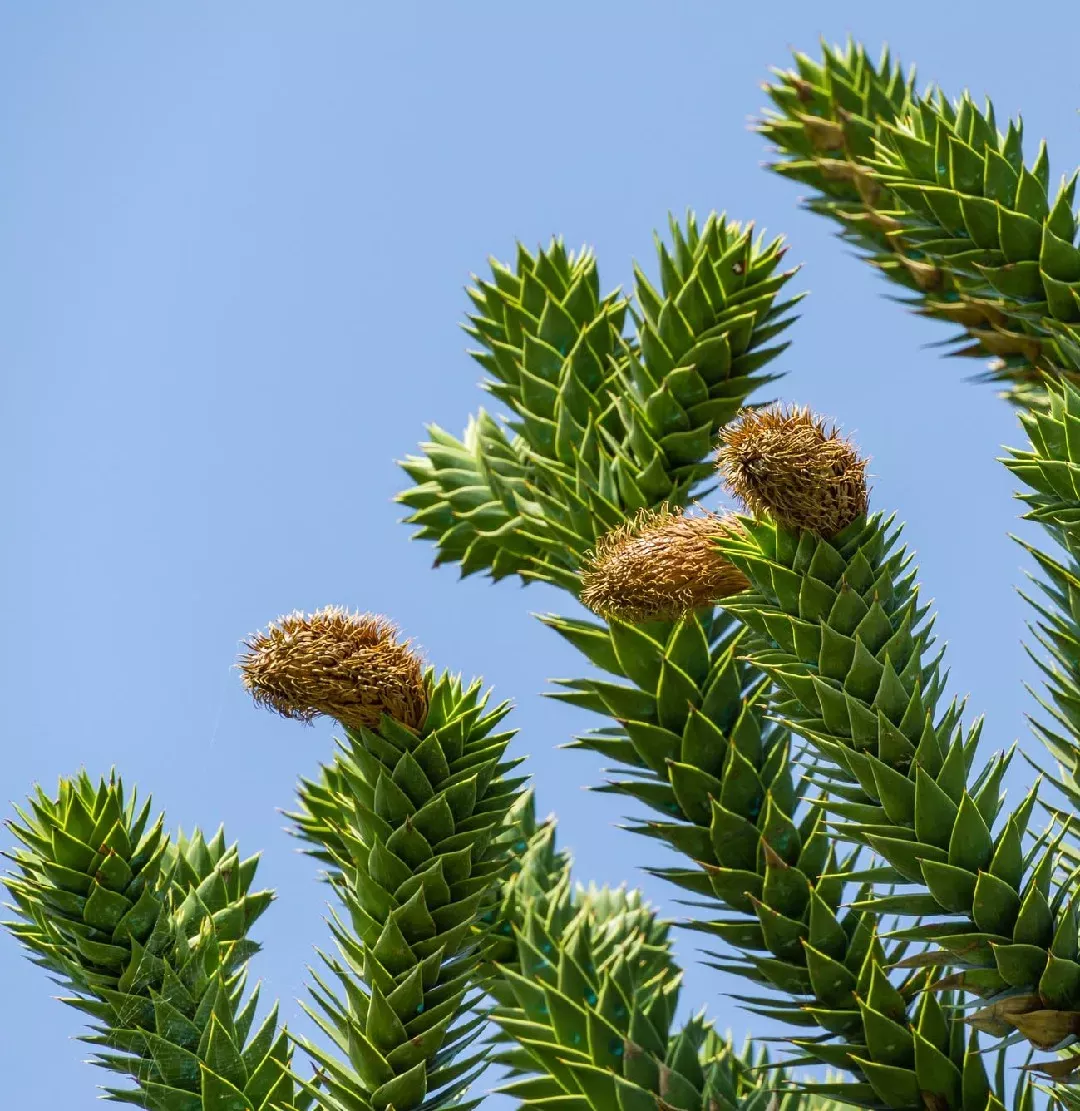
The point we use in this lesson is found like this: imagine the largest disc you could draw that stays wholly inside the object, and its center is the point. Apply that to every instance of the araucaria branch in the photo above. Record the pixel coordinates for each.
(777, 713)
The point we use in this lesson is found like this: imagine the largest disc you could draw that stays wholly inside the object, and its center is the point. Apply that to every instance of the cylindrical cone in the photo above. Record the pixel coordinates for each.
(347, 666)
(788, 465)
(658, 566)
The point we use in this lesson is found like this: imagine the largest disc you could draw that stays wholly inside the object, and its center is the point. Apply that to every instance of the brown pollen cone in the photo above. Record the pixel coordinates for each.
(344, 665)
(789, 466)
(658, 566)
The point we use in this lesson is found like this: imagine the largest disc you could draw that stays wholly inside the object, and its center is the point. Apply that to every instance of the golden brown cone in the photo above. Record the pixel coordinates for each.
(788, 465)
(658, 566)
(347, 666)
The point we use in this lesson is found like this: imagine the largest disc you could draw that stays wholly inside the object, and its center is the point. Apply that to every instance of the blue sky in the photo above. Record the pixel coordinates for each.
(234, 241)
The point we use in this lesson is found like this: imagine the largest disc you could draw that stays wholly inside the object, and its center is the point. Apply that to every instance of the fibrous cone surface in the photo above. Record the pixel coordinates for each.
(788, 465)
(348, 666)
(659, 566)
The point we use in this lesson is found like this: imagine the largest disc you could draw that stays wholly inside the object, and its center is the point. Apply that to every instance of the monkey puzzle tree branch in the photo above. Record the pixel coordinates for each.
(410, 816)
(695, 744)
(151, 938)
(603, 425)
(1050, 470)
(847, 642)
(587, 992)
(941, 202)
(691, 728)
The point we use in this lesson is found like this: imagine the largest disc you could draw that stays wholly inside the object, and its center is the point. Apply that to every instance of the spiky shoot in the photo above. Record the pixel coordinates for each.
(410, 817)
(151, 938)
(787, 464)
(660, 565)
(348, 666)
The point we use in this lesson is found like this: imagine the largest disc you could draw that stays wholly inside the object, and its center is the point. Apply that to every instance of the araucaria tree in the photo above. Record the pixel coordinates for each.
(778, 714)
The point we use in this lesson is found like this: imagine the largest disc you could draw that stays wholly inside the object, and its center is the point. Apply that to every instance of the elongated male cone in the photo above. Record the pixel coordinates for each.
(348, 666)
(658, 566)
(788, 465)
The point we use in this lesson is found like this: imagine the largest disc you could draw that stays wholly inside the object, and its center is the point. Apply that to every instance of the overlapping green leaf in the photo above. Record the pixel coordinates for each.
(586, 998)
(413, 828)
(723, 778)
(151, 936)
(850, 646)
(1049, 468)
(603, 424)
(942, 202)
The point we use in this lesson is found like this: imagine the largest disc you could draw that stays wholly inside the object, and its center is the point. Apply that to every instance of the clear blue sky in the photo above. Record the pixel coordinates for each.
(234, 239)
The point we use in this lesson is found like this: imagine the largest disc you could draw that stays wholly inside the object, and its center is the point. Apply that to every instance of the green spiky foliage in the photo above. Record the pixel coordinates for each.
(942, 203)
(151, 938)
(694, 744)
(546, 333)
(467, 497)
(603, 424)
(851, 649)
(1049, 468)
(413, 829)
(590, 995)
(794, 748)
(536, 871)
(586, 995)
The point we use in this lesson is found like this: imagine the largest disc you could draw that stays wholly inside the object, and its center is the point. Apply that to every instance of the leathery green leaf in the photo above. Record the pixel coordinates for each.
(889, 1042)
(896, 1086)
(1060, 983)
(1020, 965)
(406, 1090)
(953, 888)
(937, 1075)
(219, 1095)
(996, 905)
(935, 812)
(970, 846)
